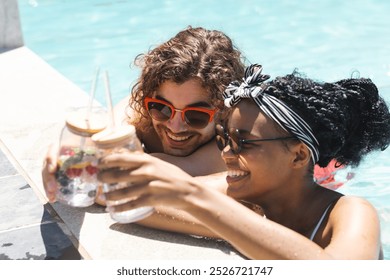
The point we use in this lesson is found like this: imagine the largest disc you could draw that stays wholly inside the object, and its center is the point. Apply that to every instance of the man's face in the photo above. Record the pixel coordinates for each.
(178, 138)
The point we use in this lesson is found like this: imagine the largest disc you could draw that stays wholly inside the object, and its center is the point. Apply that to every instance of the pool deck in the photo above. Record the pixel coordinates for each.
(34, 100)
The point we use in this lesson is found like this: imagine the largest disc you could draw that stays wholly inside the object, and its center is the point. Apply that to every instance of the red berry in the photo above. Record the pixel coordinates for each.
(67, 151)
(91, 169)
(73, 172)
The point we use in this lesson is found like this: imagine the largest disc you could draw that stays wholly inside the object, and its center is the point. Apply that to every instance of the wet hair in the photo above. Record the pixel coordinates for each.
(348, 117)
(207, 55)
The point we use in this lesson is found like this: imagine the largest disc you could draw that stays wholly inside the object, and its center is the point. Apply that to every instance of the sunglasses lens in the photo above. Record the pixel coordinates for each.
(220, 137)
(235, 143)
(221, 142)
(197, 119)
(159, 111)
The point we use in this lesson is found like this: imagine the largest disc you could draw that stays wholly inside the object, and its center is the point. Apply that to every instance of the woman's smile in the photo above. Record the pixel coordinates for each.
(235, 175)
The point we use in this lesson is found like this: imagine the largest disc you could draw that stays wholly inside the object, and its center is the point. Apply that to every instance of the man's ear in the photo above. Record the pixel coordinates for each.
(301, 155)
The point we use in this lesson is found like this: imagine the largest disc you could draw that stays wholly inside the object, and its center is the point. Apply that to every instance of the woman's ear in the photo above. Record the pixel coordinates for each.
(301, 155)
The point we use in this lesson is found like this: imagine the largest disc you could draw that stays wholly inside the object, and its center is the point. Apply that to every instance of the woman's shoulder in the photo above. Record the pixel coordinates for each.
(349, 201)
(353, 209)
(354, 229)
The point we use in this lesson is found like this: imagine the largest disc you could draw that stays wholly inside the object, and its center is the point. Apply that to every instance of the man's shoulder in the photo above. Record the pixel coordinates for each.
(123, 111)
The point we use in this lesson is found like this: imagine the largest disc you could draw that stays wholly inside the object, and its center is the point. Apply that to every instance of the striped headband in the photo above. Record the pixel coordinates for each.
(253, 87)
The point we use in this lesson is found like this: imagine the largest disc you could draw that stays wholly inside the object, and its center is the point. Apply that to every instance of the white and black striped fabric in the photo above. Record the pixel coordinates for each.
(253, 87)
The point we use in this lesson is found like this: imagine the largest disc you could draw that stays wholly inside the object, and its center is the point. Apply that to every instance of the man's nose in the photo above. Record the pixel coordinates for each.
(176, 124)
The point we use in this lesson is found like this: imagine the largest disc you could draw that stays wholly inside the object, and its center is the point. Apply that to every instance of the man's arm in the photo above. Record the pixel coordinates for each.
(204, 161)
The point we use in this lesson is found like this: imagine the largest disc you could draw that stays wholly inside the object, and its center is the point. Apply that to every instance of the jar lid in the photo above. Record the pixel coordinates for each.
(79, 123)
(114, 136)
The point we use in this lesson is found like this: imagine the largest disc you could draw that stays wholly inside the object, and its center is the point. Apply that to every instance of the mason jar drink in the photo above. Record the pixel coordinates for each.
(121, 139)
(76, 177)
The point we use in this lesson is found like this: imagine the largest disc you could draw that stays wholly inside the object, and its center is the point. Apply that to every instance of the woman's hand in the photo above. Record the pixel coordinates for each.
(152, 181)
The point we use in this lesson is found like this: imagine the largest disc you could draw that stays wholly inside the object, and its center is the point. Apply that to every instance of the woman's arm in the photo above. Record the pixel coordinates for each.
(209, 212)
(353, 226)
(159, 184)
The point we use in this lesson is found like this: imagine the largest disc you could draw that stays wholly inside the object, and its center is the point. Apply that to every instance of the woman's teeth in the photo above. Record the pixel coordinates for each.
(236, 173)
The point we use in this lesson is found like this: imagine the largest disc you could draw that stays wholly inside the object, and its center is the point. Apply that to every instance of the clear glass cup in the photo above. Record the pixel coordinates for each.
(76, 177)
(121, 139)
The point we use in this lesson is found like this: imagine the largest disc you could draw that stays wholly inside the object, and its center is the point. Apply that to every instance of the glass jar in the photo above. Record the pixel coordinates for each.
(116, 140)
(76, 177)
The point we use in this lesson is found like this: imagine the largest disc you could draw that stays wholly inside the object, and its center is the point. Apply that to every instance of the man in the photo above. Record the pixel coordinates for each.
(175, 101)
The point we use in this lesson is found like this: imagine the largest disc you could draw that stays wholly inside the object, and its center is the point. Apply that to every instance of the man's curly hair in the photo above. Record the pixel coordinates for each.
(208, 55)
(348, 117)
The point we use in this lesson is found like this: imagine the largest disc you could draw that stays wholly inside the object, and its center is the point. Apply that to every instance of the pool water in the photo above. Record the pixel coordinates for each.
(326, 40)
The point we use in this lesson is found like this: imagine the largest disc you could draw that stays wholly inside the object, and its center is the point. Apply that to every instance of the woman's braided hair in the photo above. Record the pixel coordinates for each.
(207, 55)
(348, 117)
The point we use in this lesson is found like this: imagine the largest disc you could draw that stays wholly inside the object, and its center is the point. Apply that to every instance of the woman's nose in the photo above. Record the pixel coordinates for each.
(227, 152)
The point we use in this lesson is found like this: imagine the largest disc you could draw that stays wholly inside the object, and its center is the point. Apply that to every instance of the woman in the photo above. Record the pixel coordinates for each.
(275, 134)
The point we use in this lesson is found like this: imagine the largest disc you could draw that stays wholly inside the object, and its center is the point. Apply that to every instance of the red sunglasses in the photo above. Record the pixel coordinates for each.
(163, 111)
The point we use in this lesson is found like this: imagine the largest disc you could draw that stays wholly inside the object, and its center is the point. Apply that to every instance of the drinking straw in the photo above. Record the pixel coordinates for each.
(111, 124)
(92, 93)
(90, 102)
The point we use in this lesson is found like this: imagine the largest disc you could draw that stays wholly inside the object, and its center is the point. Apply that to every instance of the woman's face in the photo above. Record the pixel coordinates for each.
(260, 167)
(177, 137)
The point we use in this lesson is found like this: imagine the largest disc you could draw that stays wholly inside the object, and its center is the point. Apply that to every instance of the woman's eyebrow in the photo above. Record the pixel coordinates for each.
(196, 104)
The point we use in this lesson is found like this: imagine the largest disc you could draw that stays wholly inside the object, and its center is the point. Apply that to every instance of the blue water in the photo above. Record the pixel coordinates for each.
(326, 40)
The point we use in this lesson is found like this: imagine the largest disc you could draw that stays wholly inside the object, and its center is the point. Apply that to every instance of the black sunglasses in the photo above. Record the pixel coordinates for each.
(233, 139)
